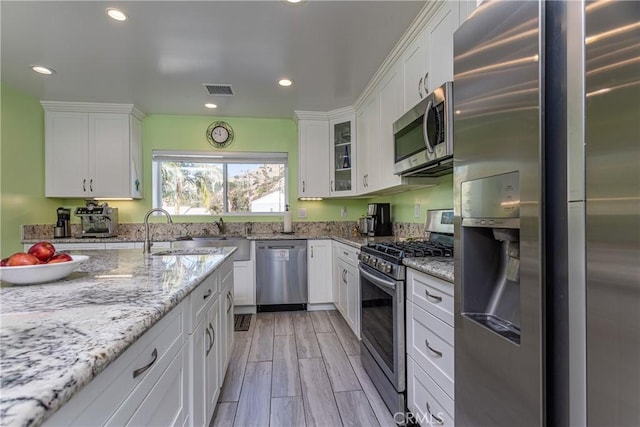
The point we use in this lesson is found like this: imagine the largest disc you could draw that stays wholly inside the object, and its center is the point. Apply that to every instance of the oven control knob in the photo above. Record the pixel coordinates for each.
(364, 258)
(374, 262)
(387, 268)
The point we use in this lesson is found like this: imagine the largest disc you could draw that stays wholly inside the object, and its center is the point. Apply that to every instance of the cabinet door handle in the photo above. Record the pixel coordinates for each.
(420, 88)
(332, 186)
(213, 334)
(140, 371)
(436, 298)
(206, 353)
(84, 184)
(91, 185)
(207, 295)
(425, 83)
(230, 301)
(436, 352)
(435, 417)
(303, 190)
(311, 251)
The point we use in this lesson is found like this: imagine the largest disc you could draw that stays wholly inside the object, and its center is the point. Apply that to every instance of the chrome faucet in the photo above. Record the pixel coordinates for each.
(220, 225)
(147, 240)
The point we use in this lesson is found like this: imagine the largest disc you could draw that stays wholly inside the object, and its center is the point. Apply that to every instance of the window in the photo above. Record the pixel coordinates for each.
(201, 183)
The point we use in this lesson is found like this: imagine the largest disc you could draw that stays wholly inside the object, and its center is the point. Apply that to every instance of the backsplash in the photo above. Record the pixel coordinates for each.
(164, 231)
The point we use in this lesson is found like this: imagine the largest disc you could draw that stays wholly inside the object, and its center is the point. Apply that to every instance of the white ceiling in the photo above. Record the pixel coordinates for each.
(159, 58)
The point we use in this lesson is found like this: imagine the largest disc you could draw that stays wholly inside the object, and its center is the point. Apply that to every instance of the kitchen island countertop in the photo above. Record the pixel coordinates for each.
(56, 337)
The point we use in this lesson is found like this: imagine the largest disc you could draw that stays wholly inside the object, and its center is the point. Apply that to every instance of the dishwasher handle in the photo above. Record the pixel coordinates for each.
(280, 247)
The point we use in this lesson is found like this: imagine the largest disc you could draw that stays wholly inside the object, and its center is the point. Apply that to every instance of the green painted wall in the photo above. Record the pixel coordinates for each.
(172, 132)
(22, 198)
(403, 204)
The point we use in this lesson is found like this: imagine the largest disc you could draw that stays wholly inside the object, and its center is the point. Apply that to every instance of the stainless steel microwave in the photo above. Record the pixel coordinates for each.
(423, 136)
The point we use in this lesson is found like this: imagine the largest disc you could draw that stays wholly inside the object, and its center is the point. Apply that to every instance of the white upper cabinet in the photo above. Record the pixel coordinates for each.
(369, 155)
(313, 158)
(93, 150)
(415, 71)
(391, 108)
(342, 155)
(466, 7)
(439, 42)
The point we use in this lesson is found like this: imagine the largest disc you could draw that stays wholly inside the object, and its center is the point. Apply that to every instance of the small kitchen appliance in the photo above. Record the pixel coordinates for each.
(63, 224)
(98, 220)
(382, 304)
(378, 220)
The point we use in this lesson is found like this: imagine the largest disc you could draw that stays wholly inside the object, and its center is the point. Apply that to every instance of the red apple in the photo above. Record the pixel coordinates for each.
(22, 258)
(4, 262)
(42, 250)
(61, 257)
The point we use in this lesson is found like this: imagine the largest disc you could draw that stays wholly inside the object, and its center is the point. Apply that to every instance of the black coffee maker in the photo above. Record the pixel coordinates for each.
(379, 219)
(63, 225)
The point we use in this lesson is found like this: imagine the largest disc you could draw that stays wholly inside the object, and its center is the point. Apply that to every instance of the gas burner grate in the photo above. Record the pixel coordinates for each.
(412, 249)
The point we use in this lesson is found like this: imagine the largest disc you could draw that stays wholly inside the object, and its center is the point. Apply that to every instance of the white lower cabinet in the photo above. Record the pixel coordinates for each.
(430, 349)
(171, 376)
(119, 395)
(318, 271)
(347, 284)
(244, 283)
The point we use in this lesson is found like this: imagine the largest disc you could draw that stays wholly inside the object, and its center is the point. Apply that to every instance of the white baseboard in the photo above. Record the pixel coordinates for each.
(316, 307)
(244, 309)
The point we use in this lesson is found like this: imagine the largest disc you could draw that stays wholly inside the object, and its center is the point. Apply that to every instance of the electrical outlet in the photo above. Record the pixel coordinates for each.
(343, 212)
(416, 210)
(302, 212)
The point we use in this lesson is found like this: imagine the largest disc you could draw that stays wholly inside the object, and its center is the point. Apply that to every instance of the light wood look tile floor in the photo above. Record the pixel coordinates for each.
(298, 369)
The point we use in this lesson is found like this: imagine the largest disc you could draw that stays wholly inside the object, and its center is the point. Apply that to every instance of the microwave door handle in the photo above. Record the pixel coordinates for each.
(425, 132)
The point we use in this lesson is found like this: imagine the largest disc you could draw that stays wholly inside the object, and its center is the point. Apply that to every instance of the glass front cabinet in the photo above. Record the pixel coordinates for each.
(343, 155)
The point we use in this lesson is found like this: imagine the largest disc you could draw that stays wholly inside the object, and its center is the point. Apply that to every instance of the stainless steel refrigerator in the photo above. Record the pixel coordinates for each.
(547, 214)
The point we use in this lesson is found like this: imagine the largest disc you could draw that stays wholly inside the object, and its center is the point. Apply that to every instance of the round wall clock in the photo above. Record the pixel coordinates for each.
(219, 134)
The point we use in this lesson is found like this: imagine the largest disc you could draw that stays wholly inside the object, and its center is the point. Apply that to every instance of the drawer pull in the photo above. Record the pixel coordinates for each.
(206, 353)
(433, 297)
(436, 352)
(230, 301)
(140, 371)
(208, 294)
(435, 417)
(346, 253)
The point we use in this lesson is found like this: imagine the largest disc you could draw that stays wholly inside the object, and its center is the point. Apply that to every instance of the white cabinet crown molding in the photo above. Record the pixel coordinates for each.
(415, 29)
(93, 107)
(322, 115)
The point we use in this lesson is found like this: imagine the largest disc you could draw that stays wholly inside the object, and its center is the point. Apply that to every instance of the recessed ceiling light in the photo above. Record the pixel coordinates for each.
(43, 70)
(294, 1)
(285, 82)
(209, 105)
(116, 14)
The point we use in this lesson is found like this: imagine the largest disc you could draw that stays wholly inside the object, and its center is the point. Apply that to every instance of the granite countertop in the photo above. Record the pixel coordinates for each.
(440, 267)
(56, 337)
(355, 241)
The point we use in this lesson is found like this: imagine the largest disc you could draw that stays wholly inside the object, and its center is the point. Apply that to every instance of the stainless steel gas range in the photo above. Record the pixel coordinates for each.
(382, 303)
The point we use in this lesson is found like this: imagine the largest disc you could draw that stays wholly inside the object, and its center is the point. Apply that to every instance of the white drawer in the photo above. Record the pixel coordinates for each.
(347, 253)
(116, 385)
(432, 294)
(430, 343)
(429, 403)
(201, 299)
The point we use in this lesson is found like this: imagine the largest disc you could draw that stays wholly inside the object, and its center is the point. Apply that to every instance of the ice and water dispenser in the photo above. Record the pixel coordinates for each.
(490, 240)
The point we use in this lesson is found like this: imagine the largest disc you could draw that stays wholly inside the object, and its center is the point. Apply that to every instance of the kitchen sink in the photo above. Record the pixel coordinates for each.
(190, 251)
(242, 254)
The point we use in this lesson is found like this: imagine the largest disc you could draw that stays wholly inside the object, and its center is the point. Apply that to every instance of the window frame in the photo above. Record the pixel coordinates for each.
(227, 157)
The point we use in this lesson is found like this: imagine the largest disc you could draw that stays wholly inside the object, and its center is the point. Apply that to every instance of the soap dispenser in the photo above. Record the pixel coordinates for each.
(287, 220)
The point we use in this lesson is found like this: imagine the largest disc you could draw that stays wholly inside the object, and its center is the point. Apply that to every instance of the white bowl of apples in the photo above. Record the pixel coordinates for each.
(40, 264)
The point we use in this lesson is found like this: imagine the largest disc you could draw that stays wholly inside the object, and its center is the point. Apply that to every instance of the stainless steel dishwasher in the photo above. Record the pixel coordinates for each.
(281, 275)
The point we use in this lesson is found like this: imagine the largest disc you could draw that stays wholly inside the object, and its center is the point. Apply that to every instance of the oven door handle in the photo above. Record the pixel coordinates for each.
(387, 285)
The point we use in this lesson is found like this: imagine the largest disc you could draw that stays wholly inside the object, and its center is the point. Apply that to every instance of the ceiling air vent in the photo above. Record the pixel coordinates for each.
(220, 90)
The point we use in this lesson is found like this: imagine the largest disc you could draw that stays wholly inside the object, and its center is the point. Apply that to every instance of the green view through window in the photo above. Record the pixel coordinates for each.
(202, 183)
